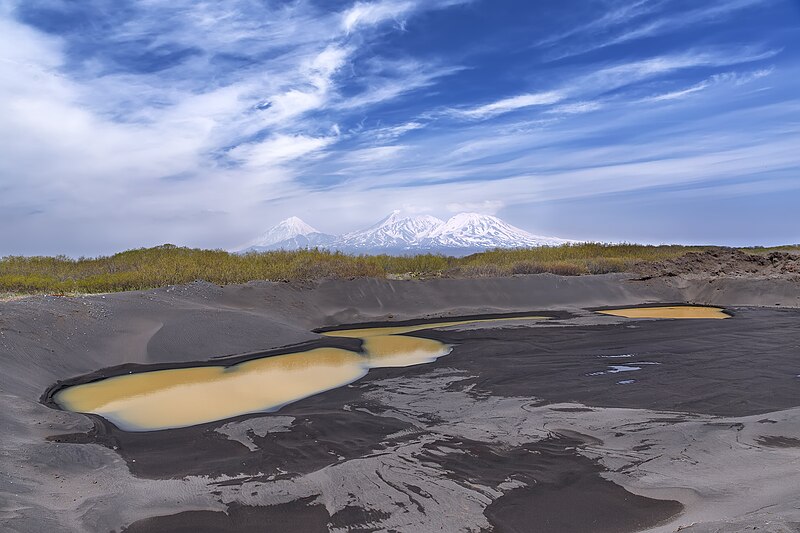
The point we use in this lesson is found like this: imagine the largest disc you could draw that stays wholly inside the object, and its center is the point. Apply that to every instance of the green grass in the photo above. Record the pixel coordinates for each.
(170, 265)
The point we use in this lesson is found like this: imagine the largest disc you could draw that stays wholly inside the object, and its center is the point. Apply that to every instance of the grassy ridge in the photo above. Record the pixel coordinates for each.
(169, 265)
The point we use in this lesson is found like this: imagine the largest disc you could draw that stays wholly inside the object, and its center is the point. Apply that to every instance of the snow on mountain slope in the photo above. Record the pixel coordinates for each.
(394, 231)
(473, 230)
(396, 234)
(290, 234)
(285, 229)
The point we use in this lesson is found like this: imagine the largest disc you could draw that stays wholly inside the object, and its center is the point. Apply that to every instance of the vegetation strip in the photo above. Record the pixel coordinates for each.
(149, 268)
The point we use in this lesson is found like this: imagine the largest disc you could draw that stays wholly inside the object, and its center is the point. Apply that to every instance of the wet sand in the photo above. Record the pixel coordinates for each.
(583, 422)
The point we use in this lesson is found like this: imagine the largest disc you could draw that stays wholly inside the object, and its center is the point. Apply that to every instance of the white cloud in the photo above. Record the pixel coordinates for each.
(278, 149)
(371, 155)
(610, 78)
(741, 78)
(82, 141)
(618, 76)
(393, 132)
(677, 95)
(395, 80)
(165, 153)
(696, 16)
(486, 206)
(372, 13)
(617, 15)
(507, 105)
(311, 87)
(575, 108)
(734, 78)
(708, 13)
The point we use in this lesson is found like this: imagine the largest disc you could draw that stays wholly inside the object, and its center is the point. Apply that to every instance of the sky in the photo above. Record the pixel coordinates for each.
(130, 123)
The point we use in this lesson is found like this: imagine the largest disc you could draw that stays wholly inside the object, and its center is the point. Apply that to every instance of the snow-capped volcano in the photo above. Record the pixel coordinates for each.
(285, 229)
(473, 230)
(290, 234)
(393, 232)
(462, 234)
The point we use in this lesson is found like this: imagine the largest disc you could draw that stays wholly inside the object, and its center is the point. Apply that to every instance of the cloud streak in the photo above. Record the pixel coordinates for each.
(199, 123)
(507, 105)
(612, 28)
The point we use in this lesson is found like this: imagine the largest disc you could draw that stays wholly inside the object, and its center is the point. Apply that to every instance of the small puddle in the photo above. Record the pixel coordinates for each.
(627, 367)
(180, 397)
(679, 311)
(616, 369)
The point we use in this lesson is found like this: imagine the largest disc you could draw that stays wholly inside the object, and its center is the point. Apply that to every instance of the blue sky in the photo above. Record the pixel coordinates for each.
(133, 123)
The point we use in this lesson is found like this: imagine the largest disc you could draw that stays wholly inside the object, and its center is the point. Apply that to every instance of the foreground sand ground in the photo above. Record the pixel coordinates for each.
(583, 422)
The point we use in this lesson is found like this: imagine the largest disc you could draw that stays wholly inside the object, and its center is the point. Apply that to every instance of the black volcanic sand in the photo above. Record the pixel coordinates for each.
(715, 367)
(739, 366)
(565, 494)
(475, 441)
(571, 500)
(702, 368)
(300, 516)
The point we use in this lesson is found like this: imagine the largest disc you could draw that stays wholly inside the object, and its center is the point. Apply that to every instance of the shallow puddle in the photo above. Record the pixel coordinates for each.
(682, 311)
(163, 399)
(395, 350)
(187, 396)
(362, 333)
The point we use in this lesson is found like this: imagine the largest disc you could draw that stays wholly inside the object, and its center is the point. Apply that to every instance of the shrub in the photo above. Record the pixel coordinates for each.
(477, 271)
(562, 268)
(606, 266)
(529, 267)
(146, 268)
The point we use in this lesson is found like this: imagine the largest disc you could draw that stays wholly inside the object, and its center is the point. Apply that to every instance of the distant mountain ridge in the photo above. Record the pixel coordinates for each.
(394, 231)
(462, 234)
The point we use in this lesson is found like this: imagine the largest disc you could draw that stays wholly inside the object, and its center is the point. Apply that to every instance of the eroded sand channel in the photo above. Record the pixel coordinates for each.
(174, 398)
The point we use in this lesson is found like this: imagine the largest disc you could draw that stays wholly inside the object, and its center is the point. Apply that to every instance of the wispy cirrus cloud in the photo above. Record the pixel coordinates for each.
(507, 105)
(370, 13)
(395, 79)
(575, 108)
(278, 149)
(735, 78)
(619, 14)
(709, 12)
(183, 120)
(114, 92)
(379, 11)
(393, 132)
(569, 97)
(613, 27)
(620, 75)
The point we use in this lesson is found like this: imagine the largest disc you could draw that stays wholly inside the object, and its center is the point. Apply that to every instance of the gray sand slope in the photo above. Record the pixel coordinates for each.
(514, 431)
